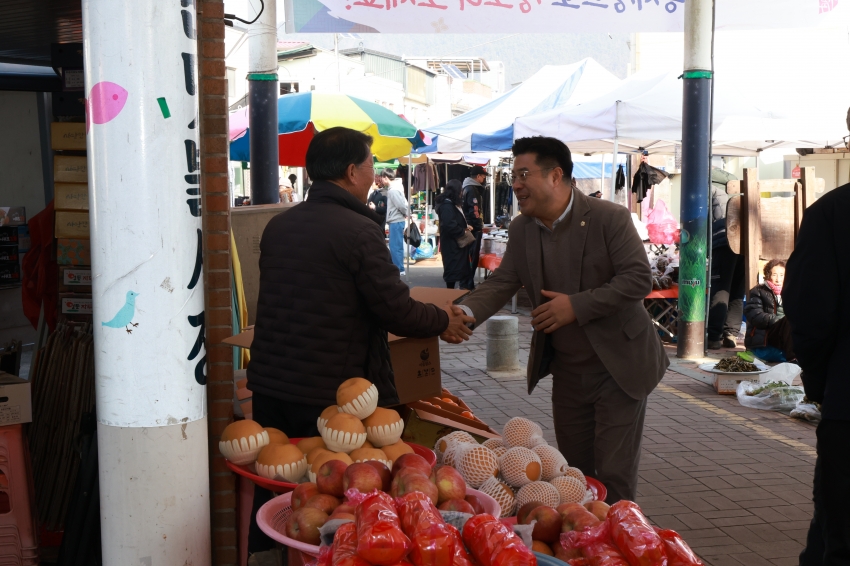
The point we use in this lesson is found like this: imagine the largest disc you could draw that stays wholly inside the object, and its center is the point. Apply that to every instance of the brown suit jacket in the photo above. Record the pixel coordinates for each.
(609, 277)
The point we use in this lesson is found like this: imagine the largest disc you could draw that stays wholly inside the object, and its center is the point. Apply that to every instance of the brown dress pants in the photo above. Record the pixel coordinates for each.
(599, 430)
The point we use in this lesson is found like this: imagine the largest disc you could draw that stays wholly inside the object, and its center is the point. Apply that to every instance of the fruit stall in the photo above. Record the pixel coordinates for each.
(359, 494)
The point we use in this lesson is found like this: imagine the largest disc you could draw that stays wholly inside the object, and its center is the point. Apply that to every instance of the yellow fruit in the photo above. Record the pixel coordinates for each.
(554, 463)
(502, 493)
(520, 466)
(541, 491)
(570, 489)
(520, 431)
(476, 464)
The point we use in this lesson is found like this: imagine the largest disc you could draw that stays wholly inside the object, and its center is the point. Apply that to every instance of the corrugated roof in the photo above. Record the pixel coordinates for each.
(28, 27)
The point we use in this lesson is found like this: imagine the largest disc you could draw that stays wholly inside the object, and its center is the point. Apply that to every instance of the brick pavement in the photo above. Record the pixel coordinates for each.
(734, 482)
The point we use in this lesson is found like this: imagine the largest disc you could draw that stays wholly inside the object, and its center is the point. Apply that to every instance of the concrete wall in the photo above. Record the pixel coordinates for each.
(21, 184)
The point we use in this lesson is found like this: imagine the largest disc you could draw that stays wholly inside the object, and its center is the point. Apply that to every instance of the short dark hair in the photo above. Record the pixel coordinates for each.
(549, 152)
(332, 151)
(388, 174)
(771, 264)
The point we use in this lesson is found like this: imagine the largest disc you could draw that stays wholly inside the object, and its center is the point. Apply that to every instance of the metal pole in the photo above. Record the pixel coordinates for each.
(409, 192)
(336, 55)
(616, 156)
(263, 91)
(148, 289)
(602, 174)
(696, 157)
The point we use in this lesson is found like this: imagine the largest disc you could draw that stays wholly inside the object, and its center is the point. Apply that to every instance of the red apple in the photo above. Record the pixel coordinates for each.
(329, 478)
(460, 506)
(578, 519)
(565, 555)
(416, 471)
(414, 482)
(598, 508)
(304, 525)
(346, 507)
(348, 516)
(411, 461)
(362, 477)
(302, 493)
(476, 504)
(565, 508)
(323, 502)
(450, 484)
(548, 526)
(522, 514)
(385, 473)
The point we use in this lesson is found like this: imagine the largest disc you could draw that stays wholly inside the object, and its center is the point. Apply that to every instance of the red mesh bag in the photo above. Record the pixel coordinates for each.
(595, 546)
(494, 544)
(345, 547)
(380, 540)
(634, 536)
(678, 551)
(432, 543)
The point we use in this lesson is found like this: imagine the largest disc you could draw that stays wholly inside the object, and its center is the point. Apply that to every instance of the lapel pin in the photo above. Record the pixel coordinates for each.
(582, 222)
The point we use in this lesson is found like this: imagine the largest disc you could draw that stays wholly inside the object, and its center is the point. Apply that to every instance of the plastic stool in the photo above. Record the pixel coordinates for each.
(18, 539)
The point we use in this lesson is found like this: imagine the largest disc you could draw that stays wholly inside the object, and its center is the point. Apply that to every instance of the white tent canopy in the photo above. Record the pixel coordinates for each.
(645, 112)
(490, 127)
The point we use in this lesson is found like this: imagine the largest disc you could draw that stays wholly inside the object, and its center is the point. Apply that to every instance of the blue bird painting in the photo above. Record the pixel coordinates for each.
(124, 317)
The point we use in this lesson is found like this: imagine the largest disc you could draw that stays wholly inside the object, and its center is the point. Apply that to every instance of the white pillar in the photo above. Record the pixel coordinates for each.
(143, 161)
(615, 160)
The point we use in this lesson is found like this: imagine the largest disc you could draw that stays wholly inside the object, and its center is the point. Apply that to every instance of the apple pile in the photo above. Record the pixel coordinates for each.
(516, 469)
(315, 503)
(550, 522)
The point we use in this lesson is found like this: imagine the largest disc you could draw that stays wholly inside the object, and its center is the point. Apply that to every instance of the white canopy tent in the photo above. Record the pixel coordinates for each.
(645, 112)
(490, 127)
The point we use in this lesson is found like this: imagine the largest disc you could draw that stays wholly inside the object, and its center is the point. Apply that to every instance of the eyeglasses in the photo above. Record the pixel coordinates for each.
(523, 175)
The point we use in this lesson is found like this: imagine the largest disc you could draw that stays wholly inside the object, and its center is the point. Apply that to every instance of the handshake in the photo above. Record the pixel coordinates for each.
(458, 329)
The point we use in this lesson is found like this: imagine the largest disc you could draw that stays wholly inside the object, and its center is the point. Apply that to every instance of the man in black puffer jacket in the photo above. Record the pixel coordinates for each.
(329, 293)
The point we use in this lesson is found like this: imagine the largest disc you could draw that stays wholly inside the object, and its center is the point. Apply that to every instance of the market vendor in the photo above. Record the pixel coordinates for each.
(585, 270)
(329, 293)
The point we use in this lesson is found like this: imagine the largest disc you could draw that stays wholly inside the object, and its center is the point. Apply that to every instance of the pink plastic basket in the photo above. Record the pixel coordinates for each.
(271, 518)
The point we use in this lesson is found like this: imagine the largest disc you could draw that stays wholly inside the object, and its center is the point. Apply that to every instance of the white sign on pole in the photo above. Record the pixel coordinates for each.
(547, 16)
(144, 192)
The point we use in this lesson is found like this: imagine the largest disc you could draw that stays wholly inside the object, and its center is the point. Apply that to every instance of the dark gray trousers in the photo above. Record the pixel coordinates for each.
(599, 430)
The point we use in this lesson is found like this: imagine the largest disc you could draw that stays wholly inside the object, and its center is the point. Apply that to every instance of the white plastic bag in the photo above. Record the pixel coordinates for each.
(773, 396)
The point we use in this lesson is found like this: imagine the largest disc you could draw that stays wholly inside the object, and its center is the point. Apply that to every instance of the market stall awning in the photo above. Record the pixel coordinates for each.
(301, 115)
(491, 127)
(645, 112)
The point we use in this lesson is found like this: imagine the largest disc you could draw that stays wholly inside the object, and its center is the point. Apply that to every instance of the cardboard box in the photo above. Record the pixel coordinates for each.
(13, 215)
(10, 273)
(9, 253)
(70, 169)
(74, 280)
(248, 224)
(72, 303)
(726, 385)
(71, 196)
(15, 400)
(70, 251)
(72, 224)
(9, 235)
(68, 135)
(416, 361)
(425, 425)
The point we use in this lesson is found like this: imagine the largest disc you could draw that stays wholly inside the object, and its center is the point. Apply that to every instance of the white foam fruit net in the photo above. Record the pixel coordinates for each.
(570, 489)
(444, 443)
(520, 466)
(577, 474)
(475, 463)
(493, 443)
(502, 493)
(541, 491)
(520, 431)
(554, 463)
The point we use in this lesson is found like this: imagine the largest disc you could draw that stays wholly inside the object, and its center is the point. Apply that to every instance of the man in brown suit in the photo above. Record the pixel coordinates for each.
(586, 272)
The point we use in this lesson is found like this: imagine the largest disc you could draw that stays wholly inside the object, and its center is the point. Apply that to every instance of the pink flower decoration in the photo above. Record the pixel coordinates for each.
(827, 6)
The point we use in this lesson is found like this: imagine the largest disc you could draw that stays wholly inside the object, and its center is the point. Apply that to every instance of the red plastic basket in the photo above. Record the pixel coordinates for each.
(285, 487)
(271, 518)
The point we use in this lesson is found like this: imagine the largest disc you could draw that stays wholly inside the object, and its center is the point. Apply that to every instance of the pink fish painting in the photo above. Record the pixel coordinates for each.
(827, 6)
(105, 102)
